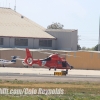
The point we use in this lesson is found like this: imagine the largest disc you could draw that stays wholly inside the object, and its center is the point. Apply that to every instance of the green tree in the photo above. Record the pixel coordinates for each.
(83, 48)
(55, 26)
(88, 49)
(95, 48)
(78, 47)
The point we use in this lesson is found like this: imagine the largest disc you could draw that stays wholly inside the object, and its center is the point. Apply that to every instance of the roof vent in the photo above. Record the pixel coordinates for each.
(22, 16)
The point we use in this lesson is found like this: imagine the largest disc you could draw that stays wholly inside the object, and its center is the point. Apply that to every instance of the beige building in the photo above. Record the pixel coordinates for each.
(66, 39)
(18, 31)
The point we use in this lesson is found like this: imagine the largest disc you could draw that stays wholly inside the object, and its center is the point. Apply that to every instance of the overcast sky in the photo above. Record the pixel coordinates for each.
(73, 14)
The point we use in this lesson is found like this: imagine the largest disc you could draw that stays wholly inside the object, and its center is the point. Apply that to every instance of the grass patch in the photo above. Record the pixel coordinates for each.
(72, 90)
(43, 97)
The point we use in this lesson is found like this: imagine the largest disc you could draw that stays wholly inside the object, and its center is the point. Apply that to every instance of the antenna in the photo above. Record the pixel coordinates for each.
(3, 4)
(6, 3)
(9, 5)
(15, 6)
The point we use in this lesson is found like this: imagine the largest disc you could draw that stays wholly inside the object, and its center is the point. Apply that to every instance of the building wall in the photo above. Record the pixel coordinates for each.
(6, 42)
(36, 44)
(84, 60)
(12, 43)
(9, 42)
(6, 54)
(79, 60)
(65, 40)
(74, 40)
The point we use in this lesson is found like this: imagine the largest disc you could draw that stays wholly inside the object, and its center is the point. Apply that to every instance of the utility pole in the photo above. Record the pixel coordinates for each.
(99, 36)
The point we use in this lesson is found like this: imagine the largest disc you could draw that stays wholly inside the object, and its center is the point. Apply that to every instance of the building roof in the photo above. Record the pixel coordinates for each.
(61, 30)
(13, 24)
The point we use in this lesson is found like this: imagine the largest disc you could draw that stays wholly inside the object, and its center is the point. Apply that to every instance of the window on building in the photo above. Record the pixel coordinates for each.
(45, 43)
(1, 41)
(21, 42)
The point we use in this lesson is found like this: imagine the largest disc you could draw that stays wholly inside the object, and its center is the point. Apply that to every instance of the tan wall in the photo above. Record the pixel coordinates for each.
(86, 60)
(6, 54)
